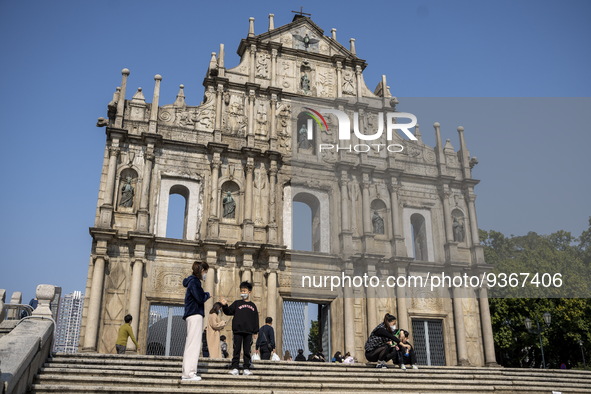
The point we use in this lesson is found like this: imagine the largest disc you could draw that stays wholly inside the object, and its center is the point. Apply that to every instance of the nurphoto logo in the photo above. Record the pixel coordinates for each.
(344, 129)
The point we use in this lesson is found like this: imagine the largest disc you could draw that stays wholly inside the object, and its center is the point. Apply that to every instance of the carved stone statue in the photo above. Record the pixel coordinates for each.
(305, 83)
(303, 141)
(458, 229)
(378, 223)
(229, 206)
(127, 193)
(348, 84)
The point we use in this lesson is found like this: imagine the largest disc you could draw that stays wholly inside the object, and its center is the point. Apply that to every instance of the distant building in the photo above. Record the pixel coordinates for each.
(68, 323)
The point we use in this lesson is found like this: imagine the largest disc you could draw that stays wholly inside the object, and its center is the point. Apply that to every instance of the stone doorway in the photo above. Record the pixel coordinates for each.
(299, 316)
(427, 339)
(166, 330)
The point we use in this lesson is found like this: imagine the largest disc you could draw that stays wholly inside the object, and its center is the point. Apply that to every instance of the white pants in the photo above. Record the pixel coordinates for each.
(192, 345)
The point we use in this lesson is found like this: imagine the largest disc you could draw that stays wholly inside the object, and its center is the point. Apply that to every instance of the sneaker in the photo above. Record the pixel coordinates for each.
(192, 378)
(415, 367)
(246, 372)
(234, 372)
(403, 367)
(381, 364)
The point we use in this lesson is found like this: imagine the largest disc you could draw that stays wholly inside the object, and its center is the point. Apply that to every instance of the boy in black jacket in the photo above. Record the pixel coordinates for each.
(244, 325)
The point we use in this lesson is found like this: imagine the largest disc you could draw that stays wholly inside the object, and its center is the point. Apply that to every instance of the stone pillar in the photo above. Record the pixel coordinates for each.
(444, 195)
(121, 101)
(461, 347)
(272, 235)
(106, 210)
(44, 294)
(349, 318)
(272, 287)
(273, 135)
(399, 247)
(211, 260)
(215, 193)
(339, 68)
(345, 222)
(471, 197)
(371, 302)
(94, 305)
(218, 107)
(143, 212)
(16, 298)
(487, 333)
(273, 70)
(367, 228)
(251, 120)
(135, 299)
(252, 63)
(249, 168)
(2, 299)
(153, 127)
(401, 306)
(358, 80)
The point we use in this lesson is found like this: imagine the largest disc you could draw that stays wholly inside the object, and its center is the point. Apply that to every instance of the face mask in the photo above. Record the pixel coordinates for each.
(244, 296)
(393, 327)
(204, 276)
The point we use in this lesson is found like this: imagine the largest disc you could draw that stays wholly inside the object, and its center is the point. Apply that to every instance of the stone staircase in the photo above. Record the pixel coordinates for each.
(109, 373)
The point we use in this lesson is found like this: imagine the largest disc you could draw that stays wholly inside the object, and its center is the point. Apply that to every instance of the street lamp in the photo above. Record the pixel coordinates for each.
(528, 325)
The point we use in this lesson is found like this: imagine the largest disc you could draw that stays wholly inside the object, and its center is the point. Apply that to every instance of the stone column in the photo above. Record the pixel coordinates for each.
(399, 247)
(371, 303)
(94, 305)
(345, 222)
(135, 299)
(471, 197)
(215, 169)
(248, 190)
(211, 260)
(153, 126)
(358, 80)
(272, 287)
(461, 347)
(272, 235)
(273, 68)
(339, 68)
(273, 116)
(2, 299)
(367, 229)
(252, 68)
(401, 306)
(444, 195)
(487, 333)
(143, 212)
(349, 318)
(121, 102)
(218, 107)
(251, 120)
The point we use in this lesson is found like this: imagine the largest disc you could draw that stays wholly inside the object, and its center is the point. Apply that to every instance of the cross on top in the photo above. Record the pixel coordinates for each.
(301, 12)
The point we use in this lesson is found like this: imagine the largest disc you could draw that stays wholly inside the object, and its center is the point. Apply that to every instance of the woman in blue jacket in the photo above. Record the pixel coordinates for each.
(195, 299)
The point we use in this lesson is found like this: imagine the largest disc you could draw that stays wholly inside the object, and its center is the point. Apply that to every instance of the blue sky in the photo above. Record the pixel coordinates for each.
(61, 62)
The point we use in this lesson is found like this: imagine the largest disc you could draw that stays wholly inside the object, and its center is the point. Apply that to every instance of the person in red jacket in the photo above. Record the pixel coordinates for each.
(244, 325)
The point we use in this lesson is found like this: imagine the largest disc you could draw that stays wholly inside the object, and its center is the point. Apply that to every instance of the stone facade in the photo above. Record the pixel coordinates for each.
(373, 213)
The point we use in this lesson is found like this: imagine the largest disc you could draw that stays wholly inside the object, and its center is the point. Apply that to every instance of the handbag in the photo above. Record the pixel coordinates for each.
(267, 342)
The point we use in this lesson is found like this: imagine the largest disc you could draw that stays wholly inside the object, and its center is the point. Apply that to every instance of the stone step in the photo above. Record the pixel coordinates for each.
(383, 375)
(104, 373)
(318, 383)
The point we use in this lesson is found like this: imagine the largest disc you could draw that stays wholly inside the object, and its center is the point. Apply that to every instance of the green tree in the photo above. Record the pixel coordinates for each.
(314, 337)
(571, 317)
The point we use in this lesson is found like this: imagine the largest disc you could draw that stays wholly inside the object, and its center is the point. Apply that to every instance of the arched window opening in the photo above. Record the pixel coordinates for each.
(176, 223)
(306, 223)
(419, 237)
